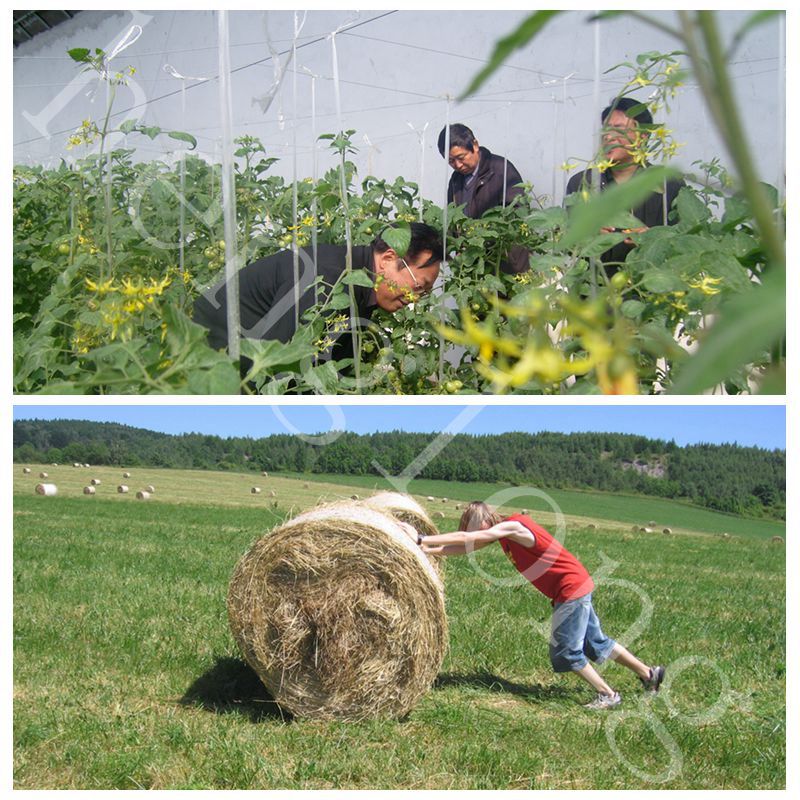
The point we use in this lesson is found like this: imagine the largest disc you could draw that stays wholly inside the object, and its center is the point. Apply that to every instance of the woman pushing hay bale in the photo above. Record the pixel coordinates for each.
(340, 614)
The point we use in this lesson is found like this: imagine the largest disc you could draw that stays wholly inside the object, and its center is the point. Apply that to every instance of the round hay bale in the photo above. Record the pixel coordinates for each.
(255, 490)
(648, 530)
(26, 470)
(76, 464)
(726, 536)
(43, 475)
(438, 514)
(354, 497)
(591, 527)
(635, 529)
(524, 512)
(340, 614)
(142, 495)
(126, 474)
(305, 486)
(88, 466)
(46, 489)
(652, 524)
(667, 530)
(777, 539)
(150, 488)
(54, 464)
(430, 499)
(95, 481)
(406, 509)
(265, 475)
(444, 499)
(89, 490)
(123, 489)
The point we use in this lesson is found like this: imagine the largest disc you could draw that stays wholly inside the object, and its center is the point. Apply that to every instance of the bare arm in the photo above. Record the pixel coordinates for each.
(461, 542)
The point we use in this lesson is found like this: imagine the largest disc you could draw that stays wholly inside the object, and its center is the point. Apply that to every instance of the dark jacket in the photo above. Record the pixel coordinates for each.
(267, 297)
(653, 211)
(488, 193)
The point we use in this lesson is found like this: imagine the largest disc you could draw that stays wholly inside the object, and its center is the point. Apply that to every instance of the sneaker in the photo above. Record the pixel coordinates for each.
(653, 683)
(604, 701)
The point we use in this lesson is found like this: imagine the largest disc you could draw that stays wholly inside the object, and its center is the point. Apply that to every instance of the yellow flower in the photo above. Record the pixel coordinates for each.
(641, 80)
(101, 288)
(307, 221)
(606, 164)
(706, 284)
(625, 383)
(568, 166)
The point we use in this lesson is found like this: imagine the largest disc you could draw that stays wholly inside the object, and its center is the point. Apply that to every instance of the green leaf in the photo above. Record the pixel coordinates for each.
(632, 309)
(358, 277)
(754, 20)
(661, 281)
(79, 54)
(398, 237)
(586, 219)
(222, 378)
(529, 28)
(129, 125)
(692, 211)
(183, 137)
(747, 327)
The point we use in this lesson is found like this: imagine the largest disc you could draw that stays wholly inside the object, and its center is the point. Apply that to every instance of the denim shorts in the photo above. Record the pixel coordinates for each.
(575, 635)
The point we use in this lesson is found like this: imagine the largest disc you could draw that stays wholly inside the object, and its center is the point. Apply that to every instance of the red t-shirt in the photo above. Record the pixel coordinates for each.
(548, 565)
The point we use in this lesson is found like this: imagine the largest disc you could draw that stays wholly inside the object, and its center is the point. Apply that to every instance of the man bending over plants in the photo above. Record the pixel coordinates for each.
(576, 637)
(270, 301)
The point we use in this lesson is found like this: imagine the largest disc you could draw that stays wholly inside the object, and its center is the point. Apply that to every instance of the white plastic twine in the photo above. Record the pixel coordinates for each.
(371, 149)
(298, 26)
(170, 70)
(228, 188)
(421, 138)
(313, 172)
(347, 232)
(505, 151)
(449, 100)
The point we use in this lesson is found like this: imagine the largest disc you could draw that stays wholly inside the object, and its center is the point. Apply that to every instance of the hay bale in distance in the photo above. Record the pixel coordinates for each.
(430, 499)
(305, 486)
(265, 475)
(43, 475)
(123, 489)
(95, 481)
(89, 490)
(667, 530)
(354, 497)
(726, 536)
(150, 488)
(438, 514)
(75, 464)
(142, 495)
(26, 470)
(126, 474)
(591, 527)
(88, 466)
(340, 614)
(255, 490)
(46, 489)
(635, 529)
(652, 524)
(777, 539)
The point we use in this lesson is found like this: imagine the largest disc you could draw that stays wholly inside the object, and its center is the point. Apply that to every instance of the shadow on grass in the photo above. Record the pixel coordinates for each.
(232, 687)
(494, 683)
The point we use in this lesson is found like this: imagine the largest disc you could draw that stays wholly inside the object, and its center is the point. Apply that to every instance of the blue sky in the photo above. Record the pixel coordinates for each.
(762, 426)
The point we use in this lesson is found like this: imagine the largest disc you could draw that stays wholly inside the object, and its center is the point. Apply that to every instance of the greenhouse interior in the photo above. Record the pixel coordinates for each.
(399, 202)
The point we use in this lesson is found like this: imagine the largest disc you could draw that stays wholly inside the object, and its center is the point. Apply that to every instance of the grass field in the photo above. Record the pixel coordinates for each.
(126, 674)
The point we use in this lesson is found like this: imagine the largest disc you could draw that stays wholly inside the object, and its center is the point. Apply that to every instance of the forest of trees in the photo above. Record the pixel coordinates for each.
(740, 480)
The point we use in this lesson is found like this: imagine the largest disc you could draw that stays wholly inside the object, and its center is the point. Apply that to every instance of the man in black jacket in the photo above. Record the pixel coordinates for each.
(623, 121)
(268, 293)
(480, 181)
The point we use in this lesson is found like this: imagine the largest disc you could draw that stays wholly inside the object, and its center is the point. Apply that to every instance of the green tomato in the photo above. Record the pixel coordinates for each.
(63, 248)
(619, 280)
(209, 252)
(476, 306)
(368, 347)
(451, 386)
(221, 244)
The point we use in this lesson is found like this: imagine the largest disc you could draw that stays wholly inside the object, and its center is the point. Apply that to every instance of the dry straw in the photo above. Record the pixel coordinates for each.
(340, 614)
(89, 490)
(46, 489)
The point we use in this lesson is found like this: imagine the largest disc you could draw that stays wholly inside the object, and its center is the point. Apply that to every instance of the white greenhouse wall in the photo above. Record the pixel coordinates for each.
(396, 69)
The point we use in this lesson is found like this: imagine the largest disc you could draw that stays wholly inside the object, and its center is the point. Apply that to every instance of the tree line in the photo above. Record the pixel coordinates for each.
(740, 480)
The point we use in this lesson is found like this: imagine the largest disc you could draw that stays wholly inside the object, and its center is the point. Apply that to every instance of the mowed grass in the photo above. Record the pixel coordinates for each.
(126, 674)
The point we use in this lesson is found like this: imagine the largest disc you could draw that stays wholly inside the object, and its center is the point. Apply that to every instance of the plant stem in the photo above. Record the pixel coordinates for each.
(715, 83)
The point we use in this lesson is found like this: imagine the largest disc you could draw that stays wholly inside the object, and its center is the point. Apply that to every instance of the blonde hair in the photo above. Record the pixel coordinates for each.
(476, 514)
